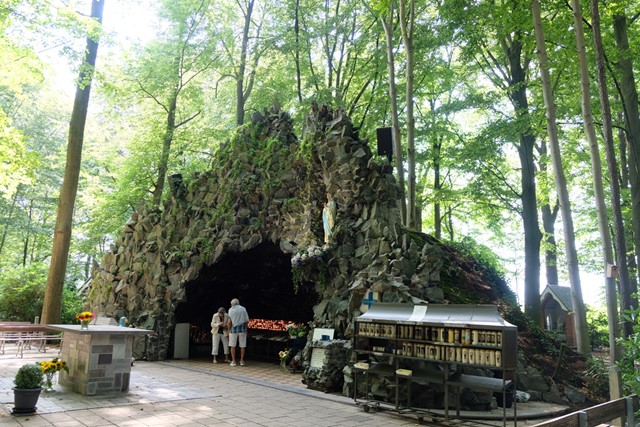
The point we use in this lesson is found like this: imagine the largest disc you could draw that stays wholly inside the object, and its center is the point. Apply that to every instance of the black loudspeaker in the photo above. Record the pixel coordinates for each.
(385, 142)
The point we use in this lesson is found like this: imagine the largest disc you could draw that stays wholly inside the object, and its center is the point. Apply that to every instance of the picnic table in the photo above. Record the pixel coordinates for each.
(24, 335)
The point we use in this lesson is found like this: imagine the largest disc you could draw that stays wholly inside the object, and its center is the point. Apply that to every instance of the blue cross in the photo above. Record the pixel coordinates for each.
(369, 300)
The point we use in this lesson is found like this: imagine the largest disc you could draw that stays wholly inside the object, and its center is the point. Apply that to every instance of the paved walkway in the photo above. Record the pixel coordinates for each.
(199, 393)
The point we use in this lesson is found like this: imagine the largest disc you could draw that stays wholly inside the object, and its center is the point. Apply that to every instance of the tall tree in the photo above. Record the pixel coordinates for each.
(337, 49)
(189, 57)
(598, 187)
(407, 12)
(386, 19)
(627, 299)
(496, 37)
(52, 309)
(250, 53)
(629, 96)
(580, 314)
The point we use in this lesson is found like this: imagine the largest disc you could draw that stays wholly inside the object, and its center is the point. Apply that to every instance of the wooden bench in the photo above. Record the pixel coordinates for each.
(25, 335)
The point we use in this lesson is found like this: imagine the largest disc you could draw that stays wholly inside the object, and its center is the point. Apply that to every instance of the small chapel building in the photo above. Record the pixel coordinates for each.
(557, 311)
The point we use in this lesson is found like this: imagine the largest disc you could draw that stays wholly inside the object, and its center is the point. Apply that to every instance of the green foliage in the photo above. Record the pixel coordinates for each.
(480, 253)
(297, 279)
(22, 292)
(597, 374)
(598, 326)
(22, 295)
(29, 376)
(71, 304)
(630, 363)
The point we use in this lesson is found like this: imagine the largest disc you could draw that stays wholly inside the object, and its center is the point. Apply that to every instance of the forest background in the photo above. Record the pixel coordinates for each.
(458, 81)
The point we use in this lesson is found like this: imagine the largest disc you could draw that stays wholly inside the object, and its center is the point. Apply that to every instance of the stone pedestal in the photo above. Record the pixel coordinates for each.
(326, 362)
(99, 358)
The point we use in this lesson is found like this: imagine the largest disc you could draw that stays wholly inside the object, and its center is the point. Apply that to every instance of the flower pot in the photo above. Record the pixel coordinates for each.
(84, 324)
(25, 400)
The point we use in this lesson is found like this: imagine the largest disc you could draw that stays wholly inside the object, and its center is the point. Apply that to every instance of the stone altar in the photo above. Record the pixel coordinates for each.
(99, 358)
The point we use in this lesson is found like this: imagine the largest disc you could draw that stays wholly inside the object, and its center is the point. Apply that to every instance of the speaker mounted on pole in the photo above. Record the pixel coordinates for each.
(385, 142)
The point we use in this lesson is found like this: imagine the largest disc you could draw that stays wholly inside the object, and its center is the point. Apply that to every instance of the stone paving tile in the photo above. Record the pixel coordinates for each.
(199, 393)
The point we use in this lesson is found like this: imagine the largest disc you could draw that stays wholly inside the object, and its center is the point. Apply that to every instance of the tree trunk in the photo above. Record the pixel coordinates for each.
(407, 18)
(580, 313)
(601, 209)
(296, 30)
(549, 217)
(626, 299)
(393, 99)
(167, 140)
(629, 95)
(9, 217)
(530, 224)
(437, 187)
(241, 94)
(52, 307)
(550, 251)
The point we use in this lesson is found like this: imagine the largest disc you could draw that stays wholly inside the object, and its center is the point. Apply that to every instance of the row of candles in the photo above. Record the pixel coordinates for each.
(465, 336)
(462, 355)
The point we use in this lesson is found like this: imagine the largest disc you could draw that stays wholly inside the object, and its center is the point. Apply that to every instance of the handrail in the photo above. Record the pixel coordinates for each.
(599, 414)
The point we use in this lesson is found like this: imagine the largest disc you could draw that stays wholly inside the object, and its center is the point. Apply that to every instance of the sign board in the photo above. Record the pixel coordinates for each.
(317, 358)
(322, 334)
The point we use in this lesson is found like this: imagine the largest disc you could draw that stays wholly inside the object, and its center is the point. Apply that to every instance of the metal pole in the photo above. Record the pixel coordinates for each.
(583, 419)
(630, 414)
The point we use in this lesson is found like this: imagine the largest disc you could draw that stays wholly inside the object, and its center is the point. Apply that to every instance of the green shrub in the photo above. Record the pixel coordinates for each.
(22, 292)
(598, 326)
(22, 295)
(630, 363)
(29, 376)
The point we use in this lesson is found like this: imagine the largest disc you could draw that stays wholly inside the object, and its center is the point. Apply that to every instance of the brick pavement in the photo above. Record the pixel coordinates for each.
(199, 393)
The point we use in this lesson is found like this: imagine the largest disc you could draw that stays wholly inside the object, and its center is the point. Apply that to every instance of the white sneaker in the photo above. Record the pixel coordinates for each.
(215, 361)
(242, 363)
(232, 364)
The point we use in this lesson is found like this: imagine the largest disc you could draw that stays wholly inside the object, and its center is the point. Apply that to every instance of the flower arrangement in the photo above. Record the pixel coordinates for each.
(309, 262)
(290, 360)
(312, 253)
(297, 329)
(283, 355)
(50, 367)
(85, 315)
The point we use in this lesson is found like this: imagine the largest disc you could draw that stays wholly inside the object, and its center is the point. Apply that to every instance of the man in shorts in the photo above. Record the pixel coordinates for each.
(238, 319)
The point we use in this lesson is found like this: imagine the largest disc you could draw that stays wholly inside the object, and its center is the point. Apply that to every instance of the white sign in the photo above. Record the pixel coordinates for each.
(418, 314)
(317, 358)
(322, 334)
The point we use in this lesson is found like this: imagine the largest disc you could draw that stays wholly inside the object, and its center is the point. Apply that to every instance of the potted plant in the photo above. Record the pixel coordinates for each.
(28, 383)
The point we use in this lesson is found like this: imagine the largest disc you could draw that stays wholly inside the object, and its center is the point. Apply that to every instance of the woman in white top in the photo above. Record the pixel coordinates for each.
(220, 332)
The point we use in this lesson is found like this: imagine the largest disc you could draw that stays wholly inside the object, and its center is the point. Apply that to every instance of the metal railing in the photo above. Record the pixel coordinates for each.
(590, 417)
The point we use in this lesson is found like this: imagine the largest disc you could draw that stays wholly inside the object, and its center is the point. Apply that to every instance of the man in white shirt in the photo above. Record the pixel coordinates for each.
(238, 319)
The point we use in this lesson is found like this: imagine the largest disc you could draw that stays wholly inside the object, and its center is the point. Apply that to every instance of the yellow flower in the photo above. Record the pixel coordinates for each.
(85, 315)
(52, 366)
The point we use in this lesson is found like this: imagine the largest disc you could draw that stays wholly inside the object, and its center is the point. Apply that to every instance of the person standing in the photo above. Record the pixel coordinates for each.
(220, 332)
(238, 319)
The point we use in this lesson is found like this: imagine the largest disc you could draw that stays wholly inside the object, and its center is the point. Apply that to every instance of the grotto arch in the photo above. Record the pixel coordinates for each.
(261, 278)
